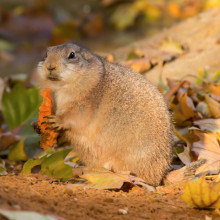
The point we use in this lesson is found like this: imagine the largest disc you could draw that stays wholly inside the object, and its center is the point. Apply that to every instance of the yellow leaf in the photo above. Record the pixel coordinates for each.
(215, 89)
(17, 152)
(174, 10)
(200, 194)
(101, 178)
(212, 3)
(213, 105)
(140, 65)
(187, 106)
(172, 47)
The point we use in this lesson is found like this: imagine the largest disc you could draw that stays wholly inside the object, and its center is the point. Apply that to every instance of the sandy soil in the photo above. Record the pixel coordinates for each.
(70, 201)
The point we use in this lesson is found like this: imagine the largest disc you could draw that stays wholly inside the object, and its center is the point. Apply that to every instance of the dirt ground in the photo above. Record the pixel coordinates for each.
(77, 202)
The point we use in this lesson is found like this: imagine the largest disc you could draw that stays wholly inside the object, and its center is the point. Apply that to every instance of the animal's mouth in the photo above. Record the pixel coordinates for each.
(53, 78)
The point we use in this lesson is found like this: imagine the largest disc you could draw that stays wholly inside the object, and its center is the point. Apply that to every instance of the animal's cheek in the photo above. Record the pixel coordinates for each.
(68, 75)
(41, 73)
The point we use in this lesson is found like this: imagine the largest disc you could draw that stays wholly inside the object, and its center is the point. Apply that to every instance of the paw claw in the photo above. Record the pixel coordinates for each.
(49, 116)
(49, 121)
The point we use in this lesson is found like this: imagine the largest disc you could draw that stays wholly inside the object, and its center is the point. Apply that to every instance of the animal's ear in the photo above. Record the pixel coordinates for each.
(49, 48)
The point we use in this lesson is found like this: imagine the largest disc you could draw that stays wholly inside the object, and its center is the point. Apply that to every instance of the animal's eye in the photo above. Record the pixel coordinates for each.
(72, 55)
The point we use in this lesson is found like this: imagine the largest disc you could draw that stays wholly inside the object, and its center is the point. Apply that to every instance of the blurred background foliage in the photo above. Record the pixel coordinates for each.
(28, 23)
(28, 26)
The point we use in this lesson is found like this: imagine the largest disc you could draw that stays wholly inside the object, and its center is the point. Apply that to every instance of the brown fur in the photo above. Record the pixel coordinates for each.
(114, 117)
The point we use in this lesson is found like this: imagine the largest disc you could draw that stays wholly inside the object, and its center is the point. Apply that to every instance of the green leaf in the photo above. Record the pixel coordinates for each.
(54, 165)
(19, 105)
(30, 164)
(216, 77)
(6, 45)
(32, 140)
(17, 152)
(124, 16)
(3, 170)
(32, 145)
(25, 215)
(101, 178)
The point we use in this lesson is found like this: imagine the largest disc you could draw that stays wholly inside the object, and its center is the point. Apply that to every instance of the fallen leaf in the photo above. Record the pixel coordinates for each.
(31, 164)
(207, 147)
(140, 65)
(184, 111)
(173, 10)
(172, 47)
(184, 154)
(180, 119)
(212, 3)
(3, 170)
(173, 89)
(215, 89)
(203, 108)
(101, 178)
(22, 215)
(213, 105)
(53, 164)
(186, 105)
(200, 194)
(216, 76)
(118, 18)
(110, 58)
(17, 152)
(215, 92)
(7, 139)
(209, 125)
(151, 12)
(49, 136)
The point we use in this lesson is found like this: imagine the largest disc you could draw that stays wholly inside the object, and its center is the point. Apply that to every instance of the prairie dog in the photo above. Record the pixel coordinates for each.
(113, 117)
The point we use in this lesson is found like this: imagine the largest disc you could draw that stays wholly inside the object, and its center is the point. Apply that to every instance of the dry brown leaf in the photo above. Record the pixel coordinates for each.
(187, 106)
(185, 156)
(215, 92)
(140, 65)
(180, 119)
(173, 88)
(7, 139)
(215, 89)
(110, 58)
(209, 125)
(207, 147)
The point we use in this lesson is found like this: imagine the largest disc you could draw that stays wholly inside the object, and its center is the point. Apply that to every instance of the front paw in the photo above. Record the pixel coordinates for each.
(52, 122)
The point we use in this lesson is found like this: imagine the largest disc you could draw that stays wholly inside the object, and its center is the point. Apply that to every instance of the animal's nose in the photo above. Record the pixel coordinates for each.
(51, 68)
